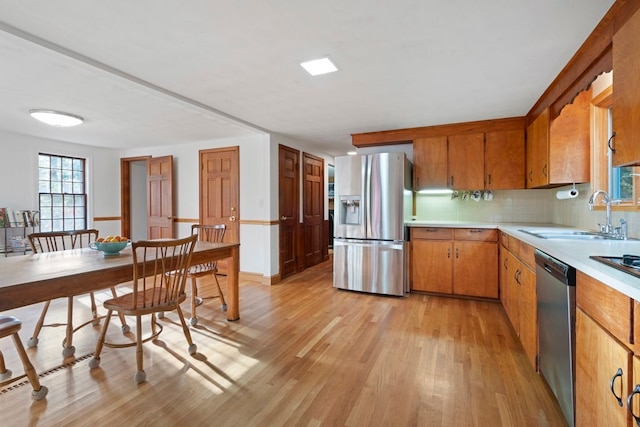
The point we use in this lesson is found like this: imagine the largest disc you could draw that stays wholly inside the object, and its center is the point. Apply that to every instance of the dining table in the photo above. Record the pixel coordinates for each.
(30, 279)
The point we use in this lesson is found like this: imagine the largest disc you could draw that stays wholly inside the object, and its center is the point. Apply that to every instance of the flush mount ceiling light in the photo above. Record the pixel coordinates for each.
(56, 118)
(319, 66)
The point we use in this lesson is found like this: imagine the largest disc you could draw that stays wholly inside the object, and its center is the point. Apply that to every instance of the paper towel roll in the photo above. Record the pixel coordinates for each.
(567, 194)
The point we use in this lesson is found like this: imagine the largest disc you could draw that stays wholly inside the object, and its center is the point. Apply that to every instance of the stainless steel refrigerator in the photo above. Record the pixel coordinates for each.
(373, 199)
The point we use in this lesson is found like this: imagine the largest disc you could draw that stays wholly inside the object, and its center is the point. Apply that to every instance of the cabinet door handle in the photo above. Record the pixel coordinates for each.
(476, 231)
(457, 254)
(530, 175)
(544, 171)
(611, 383)
(451, 181)
(612, 148)
(448, 253)
(489, 179)
(635, 391)
(505, 263)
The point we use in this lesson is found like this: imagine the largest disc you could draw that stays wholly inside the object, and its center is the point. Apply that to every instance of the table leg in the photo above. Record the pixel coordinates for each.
(233, 298)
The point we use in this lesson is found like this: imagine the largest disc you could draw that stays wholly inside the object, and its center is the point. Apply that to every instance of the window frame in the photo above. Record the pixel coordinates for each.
(600, 133)
(69, 203)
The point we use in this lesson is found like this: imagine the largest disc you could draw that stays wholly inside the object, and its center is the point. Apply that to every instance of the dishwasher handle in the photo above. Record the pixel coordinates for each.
(556, 268)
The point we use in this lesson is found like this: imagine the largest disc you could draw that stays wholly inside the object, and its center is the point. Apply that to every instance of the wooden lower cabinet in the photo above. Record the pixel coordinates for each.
(603, 371)
(455, 261)
(432, 268)
(519, 298)
(528, 316)
(475, 271)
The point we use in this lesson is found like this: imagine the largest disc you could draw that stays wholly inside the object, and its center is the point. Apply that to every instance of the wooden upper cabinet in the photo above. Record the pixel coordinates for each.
(538, 151)
(558, 151)
(626, 93)
(569, 141)
(504, 160)
(430, 163)
(466, 161)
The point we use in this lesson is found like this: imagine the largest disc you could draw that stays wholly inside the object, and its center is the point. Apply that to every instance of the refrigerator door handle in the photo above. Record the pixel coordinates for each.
(367, 194)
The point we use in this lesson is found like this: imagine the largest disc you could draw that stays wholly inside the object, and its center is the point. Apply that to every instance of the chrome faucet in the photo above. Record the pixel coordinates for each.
(608, 227)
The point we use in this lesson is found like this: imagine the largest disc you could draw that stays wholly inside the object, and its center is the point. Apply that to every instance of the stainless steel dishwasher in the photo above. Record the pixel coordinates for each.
(556, 289)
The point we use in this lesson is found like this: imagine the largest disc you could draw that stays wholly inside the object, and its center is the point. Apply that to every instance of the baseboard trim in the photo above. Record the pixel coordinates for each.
(257, 277)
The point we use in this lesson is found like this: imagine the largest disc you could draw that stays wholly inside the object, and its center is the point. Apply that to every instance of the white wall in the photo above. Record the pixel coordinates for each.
(258, 186)
(254, 193)
(19, 176)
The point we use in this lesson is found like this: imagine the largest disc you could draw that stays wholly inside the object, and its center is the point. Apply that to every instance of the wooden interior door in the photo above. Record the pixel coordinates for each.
(288, 201)
(219, 191)
(160, 197)
(313, 209)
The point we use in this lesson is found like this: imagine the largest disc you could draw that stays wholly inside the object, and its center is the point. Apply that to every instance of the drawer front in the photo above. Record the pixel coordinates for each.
(610, 308)
(431, 233)
(526, 254)
(504, 239)
(476, 234)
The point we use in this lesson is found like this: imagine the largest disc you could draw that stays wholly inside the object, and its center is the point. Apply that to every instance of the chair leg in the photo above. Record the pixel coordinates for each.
(39, 392)
(222, 301)
(69, 349)
(95, 362)
(194, 303)
(94, 310)
(5, 373)
(192, 347)
(141, 376)
(33, 341)
(125, 328)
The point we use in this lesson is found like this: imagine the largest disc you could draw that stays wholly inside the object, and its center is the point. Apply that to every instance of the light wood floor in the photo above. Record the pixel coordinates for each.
(302, 354)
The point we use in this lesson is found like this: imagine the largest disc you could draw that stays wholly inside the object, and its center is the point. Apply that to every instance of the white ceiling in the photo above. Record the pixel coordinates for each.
(154, 72)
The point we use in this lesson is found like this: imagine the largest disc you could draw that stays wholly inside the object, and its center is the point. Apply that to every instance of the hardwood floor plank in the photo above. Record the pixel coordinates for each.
(302, 354)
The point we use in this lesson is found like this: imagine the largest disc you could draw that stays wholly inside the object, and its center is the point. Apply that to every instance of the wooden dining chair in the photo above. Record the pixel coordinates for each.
(159, 280)
(205, 233)
(54, 241)
(10, 325)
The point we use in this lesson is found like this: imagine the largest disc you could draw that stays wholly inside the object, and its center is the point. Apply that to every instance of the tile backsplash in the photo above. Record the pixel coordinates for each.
(528, 206)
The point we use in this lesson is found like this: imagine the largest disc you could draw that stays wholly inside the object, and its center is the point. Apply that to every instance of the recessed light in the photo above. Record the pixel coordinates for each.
(56, 118)
(352, 153)
(319, 66)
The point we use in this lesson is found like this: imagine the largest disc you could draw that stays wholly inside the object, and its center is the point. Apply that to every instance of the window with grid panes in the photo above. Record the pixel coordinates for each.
(62, 193)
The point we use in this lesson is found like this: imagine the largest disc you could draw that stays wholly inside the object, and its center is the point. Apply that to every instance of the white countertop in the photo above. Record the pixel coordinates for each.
(573, 252)
(450, 224)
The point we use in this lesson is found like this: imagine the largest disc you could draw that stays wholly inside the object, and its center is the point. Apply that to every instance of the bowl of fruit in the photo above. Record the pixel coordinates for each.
(110, 245)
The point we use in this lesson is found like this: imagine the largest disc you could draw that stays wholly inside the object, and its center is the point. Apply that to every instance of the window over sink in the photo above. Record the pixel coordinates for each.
(619, 182)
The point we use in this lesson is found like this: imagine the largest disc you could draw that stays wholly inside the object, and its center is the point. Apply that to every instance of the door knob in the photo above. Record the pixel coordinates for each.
(283, 218)
(232, 218)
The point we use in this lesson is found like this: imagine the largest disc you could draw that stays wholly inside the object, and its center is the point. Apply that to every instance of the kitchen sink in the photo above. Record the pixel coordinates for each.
(549, 233)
